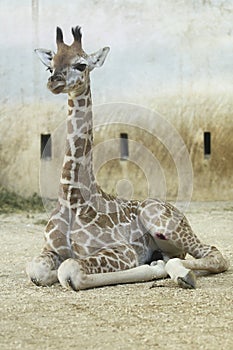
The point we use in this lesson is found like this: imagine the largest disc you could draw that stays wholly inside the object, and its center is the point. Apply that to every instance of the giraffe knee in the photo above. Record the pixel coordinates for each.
(71, 275)
(40, 273)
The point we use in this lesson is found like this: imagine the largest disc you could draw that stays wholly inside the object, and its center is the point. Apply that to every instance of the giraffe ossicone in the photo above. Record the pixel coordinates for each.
(92, 238)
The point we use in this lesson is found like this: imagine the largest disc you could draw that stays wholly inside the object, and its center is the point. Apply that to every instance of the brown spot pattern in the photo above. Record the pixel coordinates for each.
(71, 103)
(81, 102)
(104, 221)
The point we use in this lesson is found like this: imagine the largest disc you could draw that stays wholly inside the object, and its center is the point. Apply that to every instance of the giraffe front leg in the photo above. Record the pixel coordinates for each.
(42, 270)
(71, 275)
(108, 267)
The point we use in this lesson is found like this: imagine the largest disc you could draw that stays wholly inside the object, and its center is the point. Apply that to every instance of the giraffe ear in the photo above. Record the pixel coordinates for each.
(97, 59)
(45, 56)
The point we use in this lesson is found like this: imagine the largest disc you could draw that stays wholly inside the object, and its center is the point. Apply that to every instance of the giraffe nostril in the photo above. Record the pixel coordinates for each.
(56, 77)
(59, 78)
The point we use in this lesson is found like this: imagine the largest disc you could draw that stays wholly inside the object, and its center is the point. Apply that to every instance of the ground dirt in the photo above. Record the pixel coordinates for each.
(132, 316)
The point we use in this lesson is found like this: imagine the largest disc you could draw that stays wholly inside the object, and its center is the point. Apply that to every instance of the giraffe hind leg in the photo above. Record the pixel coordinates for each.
(182, 271)
(176, 244)
(207, 259)
(211, 262)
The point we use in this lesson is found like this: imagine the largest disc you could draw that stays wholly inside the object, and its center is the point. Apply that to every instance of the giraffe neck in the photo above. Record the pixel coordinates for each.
(77, 182)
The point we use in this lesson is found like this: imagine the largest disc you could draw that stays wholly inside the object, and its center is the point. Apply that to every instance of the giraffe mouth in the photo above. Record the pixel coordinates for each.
(56, 87)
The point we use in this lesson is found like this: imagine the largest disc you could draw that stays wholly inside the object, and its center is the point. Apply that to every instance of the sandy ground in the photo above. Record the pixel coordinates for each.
(121, 317)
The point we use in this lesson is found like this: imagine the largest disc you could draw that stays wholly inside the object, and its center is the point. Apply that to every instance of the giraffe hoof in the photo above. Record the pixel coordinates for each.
(188, 281)
(35, 281)
(71, 284)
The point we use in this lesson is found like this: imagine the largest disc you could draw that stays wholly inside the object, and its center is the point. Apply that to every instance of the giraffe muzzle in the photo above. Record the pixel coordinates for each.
(56, 83)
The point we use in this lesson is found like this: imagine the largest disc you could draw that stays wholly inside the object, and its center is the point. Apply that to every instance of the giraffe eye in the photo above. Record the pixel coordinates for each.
(80, 66)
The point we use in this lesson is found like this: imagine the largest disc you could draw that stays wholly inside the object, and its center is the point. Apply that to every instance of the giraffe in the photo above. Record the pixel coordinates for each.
(92, 238)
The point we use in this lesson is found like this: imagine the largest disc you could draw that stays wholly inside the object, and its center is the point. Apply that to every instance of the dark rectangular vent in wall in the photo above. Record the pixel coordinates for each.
(124, 146)
(45, 146)
(207, 144)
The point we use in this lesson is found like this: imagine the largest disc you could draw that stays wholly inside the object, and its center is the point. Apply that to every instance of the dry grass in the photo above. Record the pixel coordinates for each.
(191, 115)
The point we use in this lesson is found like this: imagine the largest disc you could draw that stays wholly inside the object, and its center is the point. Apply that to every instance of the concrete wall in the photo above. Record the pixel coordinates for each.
(172, 57)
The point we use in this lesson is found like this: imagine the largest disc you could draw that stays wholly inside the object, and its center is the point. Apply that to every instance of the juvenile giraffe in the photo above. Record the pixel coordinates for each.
(94, 239)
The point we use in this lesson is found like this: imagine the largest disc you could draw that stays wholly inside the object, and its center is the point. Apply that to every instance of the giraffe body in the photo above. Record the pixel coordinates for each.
(92, 238)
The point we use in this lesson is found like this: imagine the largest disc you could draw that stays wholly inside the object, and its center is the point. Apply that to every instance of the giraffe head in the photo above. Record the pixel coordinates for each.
(70, 65)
